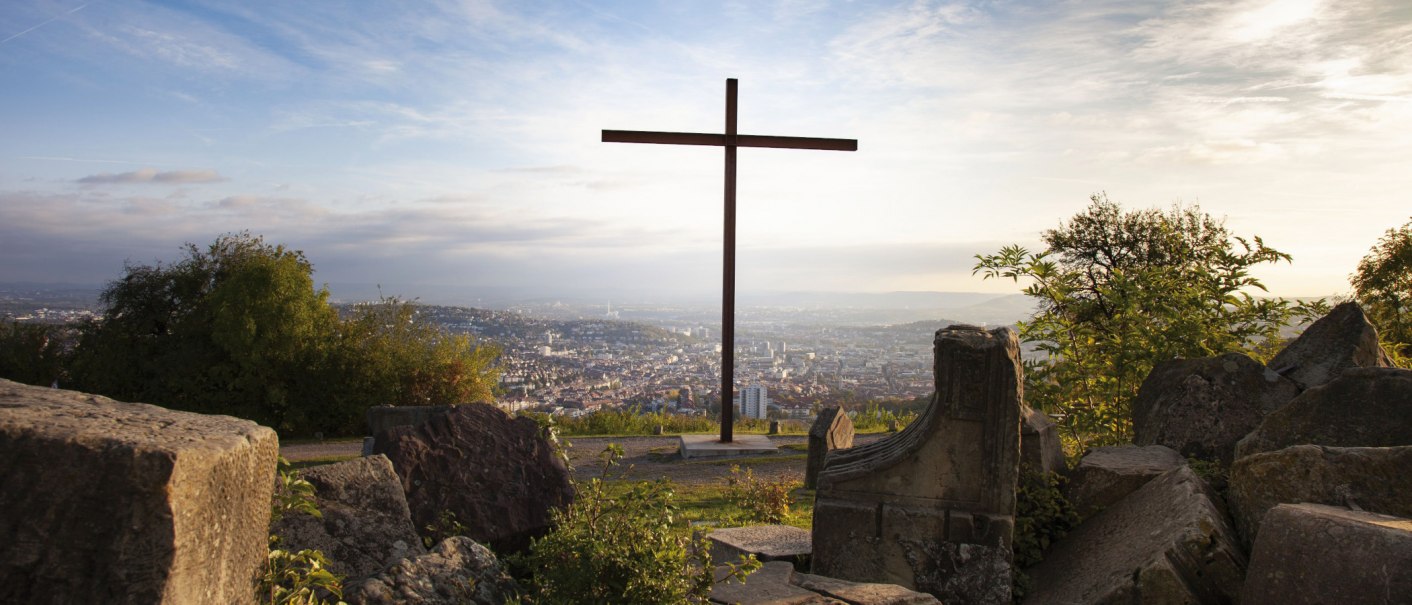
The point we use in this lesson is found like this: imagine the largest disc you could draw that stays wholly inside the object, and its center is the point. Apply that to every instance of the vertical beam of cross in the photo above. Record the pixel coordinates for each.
(731, 141)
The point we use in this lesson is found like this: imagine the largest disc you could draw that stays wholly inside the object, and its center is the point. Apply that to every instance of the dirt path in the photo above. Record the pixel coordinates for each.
(649, 458)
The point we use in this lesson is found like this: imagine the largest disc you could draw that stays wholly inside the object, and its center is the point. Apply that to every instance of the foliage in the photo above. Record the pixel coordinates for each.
(32, 353)
(1042, 517)
(621, 549)
(765, 501)
(295, 578)
(875, 418)
(445, 526)
(1383, 286)
(238, 328)
(1119, 292)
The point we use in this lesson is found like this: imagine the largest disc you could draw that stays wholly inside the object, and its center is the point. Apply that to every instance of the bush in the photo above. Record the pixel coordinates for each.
(764, 501)
(620, 550)
(295, 578)
(1042, 517)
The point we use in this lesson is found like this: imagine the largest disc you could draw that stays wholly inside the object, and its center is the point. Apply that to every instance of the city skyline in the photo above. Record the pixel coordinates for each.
(456, 145)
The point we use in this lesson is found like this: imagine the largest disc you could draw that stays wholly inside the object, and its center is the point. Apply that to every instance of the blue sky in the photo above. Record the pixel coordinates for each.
(422, 145)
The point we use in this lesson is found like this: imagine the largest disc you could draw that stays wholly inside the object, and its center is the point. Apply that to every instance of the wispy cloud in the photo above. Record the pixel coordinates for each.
(152, 175)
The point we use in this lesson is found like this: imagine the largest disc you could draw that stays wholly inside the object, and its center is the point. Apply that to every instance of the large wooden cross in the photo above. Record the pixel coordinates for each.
(730, 140)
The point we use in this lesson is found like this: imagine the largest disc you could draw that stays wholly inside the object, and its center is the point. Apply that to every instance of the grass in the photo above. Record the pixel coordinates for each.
(319, 461)
(707, 505)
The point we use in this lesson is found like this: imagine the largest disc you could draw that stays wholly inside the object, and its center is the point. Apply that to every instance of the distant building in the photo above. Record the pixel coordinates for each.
(754, 402)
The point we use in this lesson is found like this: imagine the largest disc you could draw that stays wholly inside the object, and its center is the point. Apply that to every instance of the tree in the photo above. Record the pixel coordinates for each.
(1119, 292)
(32, 353)
(1383, 285)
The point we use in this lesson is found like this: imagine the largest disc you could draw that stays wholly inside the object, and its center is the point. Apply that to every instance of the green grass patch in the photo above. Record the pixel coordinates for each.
(706, 506)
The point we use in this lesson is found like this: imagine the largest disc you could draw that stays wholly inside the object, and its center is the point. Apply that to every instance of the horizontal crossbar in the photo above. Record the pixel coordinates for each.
(721, 140)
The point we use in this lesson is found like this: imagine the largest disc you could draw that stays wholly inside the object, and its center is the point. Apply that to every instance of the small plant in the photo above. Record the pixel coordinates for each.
(295, 578)
(621, 550)
(765, 501)
(445, 526)
(1042, 516)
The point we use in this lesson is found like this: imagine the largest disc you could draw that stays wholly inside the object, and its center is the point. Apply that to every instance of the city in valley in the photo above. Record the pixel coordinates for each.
(577, 358)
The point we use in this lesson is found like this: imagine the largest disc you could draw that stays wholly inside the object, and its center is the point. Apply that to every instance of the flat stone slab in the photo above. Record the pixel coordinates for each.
(710, 446)
(776, 583)
(1308, 554)
(767, 542)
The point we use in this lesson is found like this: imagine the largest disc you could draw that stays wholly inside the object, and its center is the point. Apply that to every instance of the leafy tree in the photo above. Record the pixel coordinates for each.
(32, 353)
(1383, 286)
(1119, 292)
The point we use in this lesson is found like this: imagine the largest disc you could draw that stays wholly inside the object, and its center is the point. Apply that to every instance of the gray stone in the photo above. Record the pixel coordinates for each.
(365, 524)
(383, 417)
(1375, 479)
(1310, 554)
(766, 542)
(1363, 407)
(1106, 475)
(855, 593)
(769, 585)
(1168, 542)
(1202, 407)
(110, 502)
(1338, 341)
(832, 430)
(932, 507)
(499, 475)
(367, 446)
(457, 572)
(774, 427)
(1040, 448)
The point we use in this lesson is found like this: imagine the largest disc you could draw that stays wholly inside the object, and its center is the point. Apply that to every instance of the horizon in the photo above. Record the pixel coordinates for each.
(456, 146)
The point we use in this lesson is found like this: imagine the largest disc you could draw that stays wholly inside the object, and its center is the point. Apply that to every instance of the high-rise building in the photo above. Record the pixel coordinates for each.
(754, 402)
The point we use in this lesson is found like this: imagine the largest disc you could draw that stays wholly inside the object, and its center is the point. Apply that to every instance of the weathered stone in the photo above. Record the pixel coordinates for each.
(383, 417)
(766, 542)
(458, 571)
(774, 427)
(1363, 407)
(365, 526)
(1338, 341)
(932, 507)
(1202, 407)
(1106, 475)
(1167, 542)
(769, 585)
(499, 475)
(1310, 554)
(855, 593)
(1040, 448)
(832, 430)
(1375, 479)
(110, 502)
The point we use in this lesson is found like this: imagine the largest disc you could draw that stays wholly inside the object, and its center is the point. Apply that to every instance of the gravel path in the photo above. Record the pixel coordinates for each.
(644, 458)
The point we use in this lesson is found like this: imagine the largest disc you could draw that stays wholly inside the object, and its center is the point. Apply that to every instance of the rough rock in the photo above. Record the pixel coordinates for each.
(766, 542)
(832, 430)
(932, 507)
(1363, 407)
(383, 417)
(1311, 554)
(1168, 542)
(457, 572)
(1106, 475)
(499, 475)
(776, 583)
(1202, 407)
(366, 525)
(110, 502)
(1040, 448)
(1375, 479)
(1338, 341)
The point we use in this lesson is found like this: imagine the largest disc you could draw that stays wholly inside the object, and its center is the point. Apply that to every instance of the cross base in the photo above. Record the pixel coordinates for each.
(711, 446)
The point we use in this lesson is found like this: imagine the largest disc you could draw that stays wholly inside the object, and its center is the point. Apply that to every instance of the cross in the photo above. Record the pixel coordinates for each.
(730, 140)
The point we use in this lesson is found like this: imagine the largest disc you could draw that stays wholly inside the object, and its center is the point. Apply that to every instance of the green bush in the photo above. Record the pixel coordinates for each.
(764, 501)
(295, 578)
(620, 550)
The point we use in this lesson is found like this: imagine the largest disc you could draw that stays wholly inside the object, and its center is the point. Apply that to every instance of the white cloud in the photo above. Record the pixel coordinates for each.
(152, 175)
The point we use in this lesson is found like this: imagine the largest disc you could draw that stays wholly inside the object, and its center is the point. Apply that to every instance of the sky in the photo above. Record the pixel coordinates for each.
(455, 146)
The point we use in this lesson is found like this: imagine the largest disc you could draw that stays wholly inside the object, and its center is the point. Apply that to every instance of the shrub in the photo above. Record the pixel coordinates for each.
(620, 550)
(295, 578)
(1042, 517)
(764, 501)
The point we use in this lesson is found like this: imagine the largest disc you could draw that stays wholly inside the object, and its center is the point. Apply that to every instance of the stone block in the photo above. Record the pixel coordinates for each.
(383, 417)
(766, 542)
(1363, 407)
(832, 430)
(499, 475)
(110, 502)
(776, 583)
(1338, 341)
(457, 572)
(1202, 407)
(1040, 448)
(1167, 542)
(1106, 475)
(1375, 479)
(365, 524)
(932, 507)
(1311, 554)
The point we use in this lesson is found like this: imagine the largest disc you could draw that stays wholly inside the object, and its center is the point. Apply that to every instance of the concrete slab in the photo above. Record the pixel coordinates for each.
(766, 542)
(709, 446)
